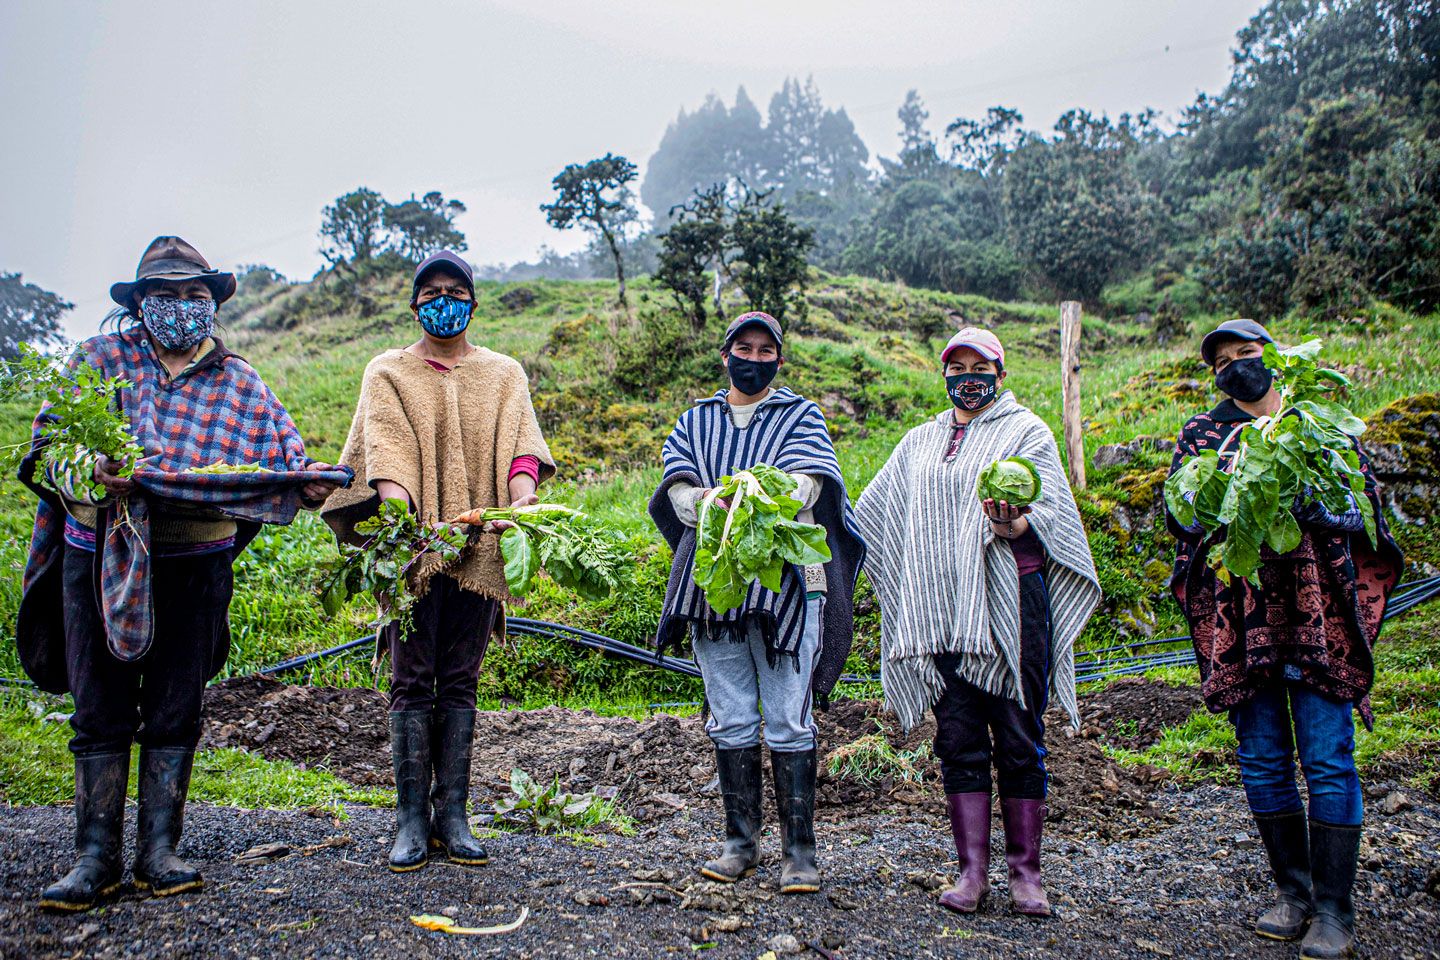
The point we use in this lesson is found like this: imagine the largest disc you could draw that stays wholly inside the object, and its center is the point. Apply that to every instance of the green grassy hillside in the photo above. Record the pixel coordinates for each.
(864, 350)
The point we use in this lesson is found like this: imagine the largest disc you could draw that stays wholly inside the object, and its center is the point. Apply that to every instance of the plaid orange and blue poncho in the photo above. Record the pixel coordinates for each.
(216, 411)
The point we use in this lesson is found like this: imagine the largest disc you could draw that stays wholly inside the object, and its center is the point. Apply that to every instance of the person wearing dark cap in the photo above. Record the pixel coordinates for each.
(1289, 660)
(444, 426)
(777, 649)
(129, 579)
(981, 603)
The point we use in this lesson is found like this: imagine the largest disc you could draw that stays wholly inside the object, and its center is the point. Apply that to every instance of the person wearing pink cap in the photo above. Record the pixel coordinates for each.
(981, 604)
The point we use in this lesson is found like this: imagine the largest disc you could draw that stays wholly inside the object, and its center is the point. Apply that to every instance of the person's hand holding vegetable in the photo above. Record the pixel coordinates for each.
(107, 474)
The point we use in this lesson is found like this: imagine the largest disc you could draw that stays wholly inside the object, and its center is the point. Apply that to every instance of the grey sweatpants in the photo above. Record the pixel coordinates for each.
(739, 681)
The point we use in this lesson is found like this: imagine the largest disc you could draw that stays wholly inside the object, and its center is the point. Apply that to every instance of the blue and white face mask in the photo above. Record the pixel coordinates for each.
(445, 316)
(177, 324)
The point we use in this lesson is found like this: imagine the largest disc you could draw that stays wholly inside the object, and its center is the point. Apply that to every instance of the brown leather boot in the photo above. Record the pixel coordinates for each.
(970, 826)
(1024, 823)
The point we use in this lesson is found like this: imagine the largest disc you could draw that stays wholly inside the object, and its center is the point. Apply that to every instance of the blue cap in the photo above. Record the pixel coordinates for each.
(1247, 330)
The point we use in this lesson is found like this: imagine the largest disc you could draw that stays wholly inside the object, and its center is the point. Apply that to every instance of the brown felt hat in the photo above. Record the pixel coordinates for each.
(171, 258)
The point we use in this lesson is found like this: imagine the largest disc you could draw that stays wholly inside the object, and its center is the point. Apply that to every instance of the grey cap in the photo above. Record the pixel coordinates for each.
(754, 318)
(449, 261)
(1247, 330)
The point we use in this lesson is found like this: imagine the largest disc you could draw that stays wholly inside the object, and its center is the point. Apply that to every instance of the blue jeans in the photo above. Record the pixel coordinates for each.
(1271, 727)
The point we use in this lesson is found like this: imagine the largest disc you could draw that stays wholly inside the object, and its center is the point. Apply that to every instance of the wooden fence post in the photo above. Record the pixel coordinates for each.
(1070, 391)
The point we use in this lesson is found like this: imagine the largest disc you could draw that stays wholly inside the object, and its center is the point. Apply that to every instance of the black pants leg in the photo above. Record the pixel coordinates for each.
(157, 698)
(967, 717)
(436, 664)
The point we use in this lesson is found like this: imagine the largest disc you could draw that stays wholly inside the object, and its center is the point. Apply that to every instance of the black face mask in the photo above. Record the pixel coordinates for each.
(971, 391)
(1246, 380)
(751, 377)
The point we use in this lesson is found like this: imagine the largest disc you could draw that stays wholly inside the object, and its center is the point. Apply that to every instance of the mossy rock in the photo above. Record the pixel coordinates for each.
(1403, 443)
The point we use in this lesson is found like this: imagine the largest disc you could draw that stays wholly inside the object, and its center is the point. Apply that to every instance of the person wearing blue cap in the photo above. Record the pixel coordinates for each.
(1289, 660)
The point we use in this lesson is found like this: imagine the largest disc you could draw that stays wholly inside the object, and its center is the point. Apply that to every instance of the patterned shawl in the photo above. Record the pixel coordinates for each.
(219, 410)
(947, 584)
(787, 432)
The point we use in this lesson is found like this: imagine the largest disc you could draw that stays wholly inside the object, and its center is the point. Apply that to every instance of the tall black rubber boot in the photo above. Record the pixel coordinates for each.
(740, 789)
(100, 783)
(450, 737)
(795, 801)
(1287, 842)
(1334, 851)
(164, 781)
(410, 752)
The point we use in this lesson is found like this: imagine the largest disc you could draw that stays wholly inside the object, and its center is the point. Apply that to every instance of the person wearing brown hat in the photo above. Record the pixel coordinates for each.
(1289, 661)
(777, 649)
(130, 574)
(444, 426)
(981, 601)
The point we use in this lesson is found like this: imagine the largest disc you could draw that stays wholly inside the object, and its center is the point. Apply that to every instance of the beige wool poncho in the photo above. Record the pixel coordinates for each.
(447, 438)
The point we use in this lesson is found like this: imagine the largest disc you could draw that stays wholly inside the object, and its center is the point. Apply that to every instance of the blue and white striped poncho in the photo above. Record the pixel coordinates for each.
(786, 431)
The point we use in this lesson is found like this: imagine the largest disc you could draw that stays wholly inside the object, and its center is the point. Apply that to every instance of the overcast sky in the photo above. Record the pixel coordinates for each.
(233, 123)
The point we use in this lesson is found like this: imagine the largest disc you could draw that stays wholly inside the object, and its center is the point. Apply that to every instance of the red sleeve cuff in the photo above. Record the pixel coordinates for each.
(527, 464)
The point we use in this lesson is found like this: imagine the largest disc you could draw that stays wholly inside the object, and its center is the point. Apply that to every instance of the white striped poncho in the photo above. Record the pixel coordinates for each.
(947, 584)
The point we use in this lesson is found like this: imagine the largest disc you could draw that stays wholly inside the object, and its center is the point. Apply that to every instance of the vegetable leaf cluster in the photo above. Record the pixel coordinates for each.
(1014, 480)
(578, 552)
(1274, 464)
(754, 538)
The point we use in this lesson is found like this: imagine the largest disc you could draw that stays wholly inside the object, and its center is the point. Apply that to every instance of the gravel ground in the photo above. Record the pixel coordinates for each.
(1136, 866)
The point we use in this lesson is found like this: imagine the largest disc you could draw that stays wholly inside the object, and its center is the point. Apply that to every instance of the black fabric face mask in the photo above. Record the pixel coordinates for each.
(971, 391)
(1245, 380)
(751, 377)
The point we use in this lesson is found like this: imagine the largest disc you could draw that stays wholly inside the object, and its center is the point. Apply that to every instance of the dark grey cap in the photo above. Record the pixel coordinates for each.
(447, 260)
(753, 319)
(1247, 330)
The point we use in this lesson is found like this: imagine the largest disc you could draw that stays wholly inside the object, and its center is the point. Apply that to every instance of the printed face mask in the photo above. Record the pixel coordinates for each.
(177, 324)
(445, 317)
(751, 376)
(971, 391)
(1246, 380)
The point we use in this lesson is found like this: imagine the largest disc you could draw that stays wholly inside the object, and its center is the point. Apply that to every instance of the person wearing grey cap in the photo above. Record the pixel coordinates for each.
(443, 426)
(776, 649)
(1289, 661)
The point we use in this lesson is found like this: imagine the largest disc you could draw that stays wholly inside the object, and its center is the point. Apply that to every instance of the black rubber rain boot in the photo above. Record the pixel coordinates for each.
(100, 782)
(164, 781)
(740, 788)
(451, 734)
(1287, 842)
(795, 800)
(1334, 851)
(410, 751)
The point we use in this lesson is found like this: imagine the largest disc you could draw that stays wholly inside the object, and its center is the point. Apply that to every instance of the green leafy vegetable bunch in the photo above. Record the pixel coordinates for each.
(1306, 453)
(578, 552)
(754, 538)
(1014, 480)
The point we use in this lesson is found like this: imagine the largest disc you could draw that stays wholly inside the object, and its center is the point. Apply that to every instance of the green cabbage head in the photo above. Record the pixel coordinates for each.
(1014, 480)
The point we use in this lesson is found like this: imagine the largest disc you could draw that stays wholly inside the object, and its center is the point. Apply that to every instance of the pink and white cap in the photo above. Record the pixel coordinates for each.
(978, 339)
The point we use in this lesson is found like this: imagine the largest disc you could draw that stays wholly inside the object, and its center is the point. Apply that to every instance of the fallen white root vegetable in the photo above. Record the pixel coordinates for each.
(443, 924)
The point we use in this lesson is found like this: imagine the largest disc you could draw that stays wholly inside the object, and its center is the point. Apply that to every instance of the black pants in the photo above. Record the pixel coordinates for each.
(156, 699)
(436, 665)
(967, 718)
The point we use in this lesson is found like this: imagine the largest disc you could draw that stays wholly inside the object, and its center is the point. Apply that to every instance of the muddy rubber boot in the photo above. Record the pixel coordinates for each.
(1287, 843)
(410, 752)
(794, 774)
(739, 772)
(1024, 824)
(450, 737)
(100, 782)
(163, 783)
(970, 826)
(1334, 851)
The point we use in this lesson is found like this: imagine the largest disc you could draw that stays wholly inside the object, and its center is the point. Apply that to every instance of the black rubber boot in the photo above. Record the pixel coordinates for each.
(99, 831)
(164, 781)
(410, 751)
(1287, 842)
(1334, 851)
(450, 737)
(740, 788)
(795, 801)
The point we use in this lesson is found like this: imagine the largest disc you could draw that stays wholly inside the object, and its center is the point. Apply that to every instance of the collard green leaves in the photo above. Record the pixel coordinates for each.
(1272, 464)
(754, 538)
(578, 552)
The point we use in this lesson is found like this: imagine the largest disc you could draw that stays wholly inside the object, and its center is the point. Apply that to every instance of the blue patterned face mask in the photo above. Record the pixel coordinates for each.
(177, 324)
(445, 317)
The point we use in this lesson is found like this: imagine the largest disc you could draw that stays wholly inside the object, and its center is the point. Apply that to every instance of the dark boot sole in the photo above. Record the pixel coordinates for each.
(67, 906)
(1038, 914)
(719, 877)
(408, 867)
(440, 847)
(1280, 937)
(146, 887)
(965, 910)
